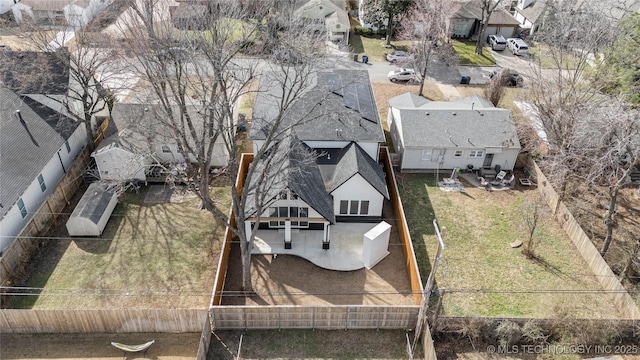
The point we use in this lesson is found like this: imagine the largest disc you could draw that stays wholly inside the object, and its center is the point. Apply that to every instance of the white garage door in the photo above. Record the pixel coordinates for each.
(507, 32)
(491, 30)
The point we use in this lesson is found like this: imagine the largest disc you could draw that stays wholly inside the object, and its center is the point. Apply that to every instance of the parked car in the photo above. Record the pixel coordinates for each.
(497, 42)
(517, 46)
(402, 75)
(399, 56)
(511, 77)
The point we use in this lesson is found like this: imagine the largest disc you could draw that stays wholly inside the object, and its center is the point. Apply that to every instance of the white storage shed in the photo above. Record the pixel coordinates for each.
(90, 216)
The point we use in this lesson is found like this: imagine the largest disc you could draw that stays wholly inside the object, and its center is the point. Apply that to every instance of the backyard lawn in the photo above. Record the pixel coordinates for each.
(151, 255)
(480, 273)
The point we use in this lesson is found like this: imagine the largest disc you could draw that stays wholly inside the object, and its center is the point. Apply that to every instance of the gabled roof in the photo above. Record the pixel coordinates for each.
(472, 9)
(340, 107)
(356, 161)
(289, 165)
(407, 100)
(472, 122)
(27, 144)
(534, 10)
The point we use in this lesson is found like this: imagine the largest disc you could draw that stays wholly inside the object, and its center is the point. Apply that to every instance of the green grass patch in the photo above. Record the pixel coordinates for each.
(150, 255)
(374, 47)
(553, 58)
(466, 50)
(480, 274)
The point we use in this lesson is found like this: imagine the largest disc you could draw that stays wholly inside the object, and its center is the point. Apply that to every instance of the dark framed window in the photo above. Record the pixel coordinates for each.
(353, 209)
(22, 208)
(166, 149)
(364, 207)
(66, 143)
(43, 186)
(344, 205)
(273, 213)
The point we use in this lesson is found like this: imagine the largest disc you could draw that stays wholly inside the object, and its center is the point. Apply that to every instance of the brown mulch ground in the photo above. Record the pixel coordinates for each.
(290, 280)
(97, 346)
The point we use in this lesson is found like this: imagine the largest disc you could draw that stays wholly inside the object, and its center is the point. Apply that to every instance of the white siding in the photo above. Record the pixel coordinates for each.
(357, 188)
(13, 223)
(119, 164)
(412, 159)
(80, 226)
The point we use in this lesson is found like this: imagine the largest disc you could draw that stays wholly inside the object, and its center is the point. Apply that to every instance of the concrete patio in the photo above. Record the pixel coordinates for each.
(344, 253)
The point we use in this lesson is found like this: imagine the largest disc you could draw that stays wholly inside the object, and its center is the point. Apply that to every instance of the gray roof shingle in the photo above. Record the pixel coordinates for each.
(357, 161)
(26, 146)
(340, 107)
(470, 122)
(94, 202)
(290, 165)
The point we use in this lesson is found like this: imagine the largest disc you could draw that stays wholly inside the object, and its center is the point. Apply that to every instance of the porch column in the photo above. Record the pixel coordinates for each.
(325, 237)
(287, 234)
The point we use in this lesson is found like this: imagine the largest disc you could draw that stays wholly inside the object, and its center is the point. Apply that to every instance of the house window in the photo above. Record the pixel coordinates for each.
(476, 153)
(364, 207)
(458, 153)
(166, 149)
(288, 212)
(23, 210)
(43, 186)
(66, 143)
(344, 204)
(426, 155)
(353, 210)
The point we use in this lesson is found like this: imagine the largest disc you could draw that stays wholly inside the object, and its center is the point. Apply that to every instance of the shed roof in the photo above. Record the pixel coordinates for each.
(94, 202)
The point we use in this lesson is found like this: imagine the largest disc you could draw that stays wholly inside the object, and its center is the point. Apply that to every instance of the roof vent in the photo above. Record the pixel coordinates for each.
(454, 114)
(428, 114)
(19, 115)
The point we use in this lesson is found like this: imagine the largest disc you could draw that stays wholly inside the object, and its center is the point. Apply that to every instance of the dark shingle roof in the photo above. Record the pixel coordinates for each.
(34, 72)
(25, 147)
(290, 165)
(94, 202)
(340, 107)
(357, 161)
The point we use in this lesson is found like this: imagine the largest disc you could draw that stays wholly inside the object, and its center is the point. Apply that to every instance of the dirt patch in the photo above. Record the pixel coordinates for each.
(97, 346)
(290, 280)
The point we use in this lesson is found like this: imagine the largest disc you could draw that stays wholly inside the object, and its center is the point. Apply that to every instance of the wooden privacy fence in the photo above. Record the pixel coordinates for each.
(314, 317)
(46, 215)
(102, 321)
(605, 276)
(205, 339)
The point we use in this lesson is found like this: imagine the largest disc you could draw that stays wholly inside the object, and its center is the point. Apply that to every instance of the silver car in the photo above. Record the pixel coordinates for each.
(399, 56)
(402, 75)
(497, 42)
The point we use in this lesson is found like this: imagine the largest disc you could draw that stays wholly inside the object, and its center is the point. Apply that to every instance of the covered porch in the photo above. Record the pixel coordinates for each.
(343, 254)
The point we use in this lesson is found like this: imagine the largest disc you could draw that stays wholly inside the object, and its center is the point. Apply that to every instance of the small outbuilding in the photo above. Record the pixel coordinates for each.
(90, 216)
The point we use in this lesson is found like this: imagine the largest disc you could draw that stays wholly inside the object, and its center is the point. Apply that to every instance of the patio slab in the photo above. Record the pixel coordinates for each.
(344, 253)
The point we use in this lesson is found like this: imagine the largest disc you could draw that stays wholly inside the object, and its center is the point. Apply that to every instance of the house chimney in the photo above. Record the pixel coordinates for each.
(19, 115)
(472, 105)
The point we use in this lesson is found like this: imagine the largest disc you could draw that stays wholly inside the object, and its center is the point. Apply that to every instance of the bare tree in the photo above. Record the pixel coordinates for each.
(561, 91)
(86, 100)
(531, 211)
(487, 7)
(427, 26)
(203, 69)
(610, 153)
(386, 13)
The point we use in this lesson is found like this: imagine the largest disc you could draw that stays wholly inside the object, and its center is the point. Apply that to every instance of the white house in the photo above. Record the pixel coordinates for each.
(328, 15)
(142, 146)
(74, 13)
(468, 134)
(466, 18)
(38, 146)
(325, 170)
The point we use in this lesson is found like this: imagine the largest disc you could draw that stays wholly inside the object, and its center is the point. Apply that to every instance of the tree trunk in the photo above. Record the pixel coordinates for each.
(563, 191)
(479, 43)
(608, 219)
(389, 27)
(246, 267)
(423, 78)
(90, 144)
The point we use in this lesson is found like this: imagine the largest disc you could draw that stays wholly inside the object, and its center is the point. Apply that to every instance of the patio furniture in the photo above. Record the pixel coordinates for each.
(499, 178)
(509, 181)
(525, 182)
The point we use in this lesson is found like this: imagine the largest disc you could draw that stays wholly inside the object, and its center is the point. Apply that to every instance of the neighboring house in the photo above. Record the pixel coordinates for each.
(466, 20)
(530, 13)
(74, 13)
(140, 145)
(468, 134)
(327, 15)
(37, 147)
(336, 122)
